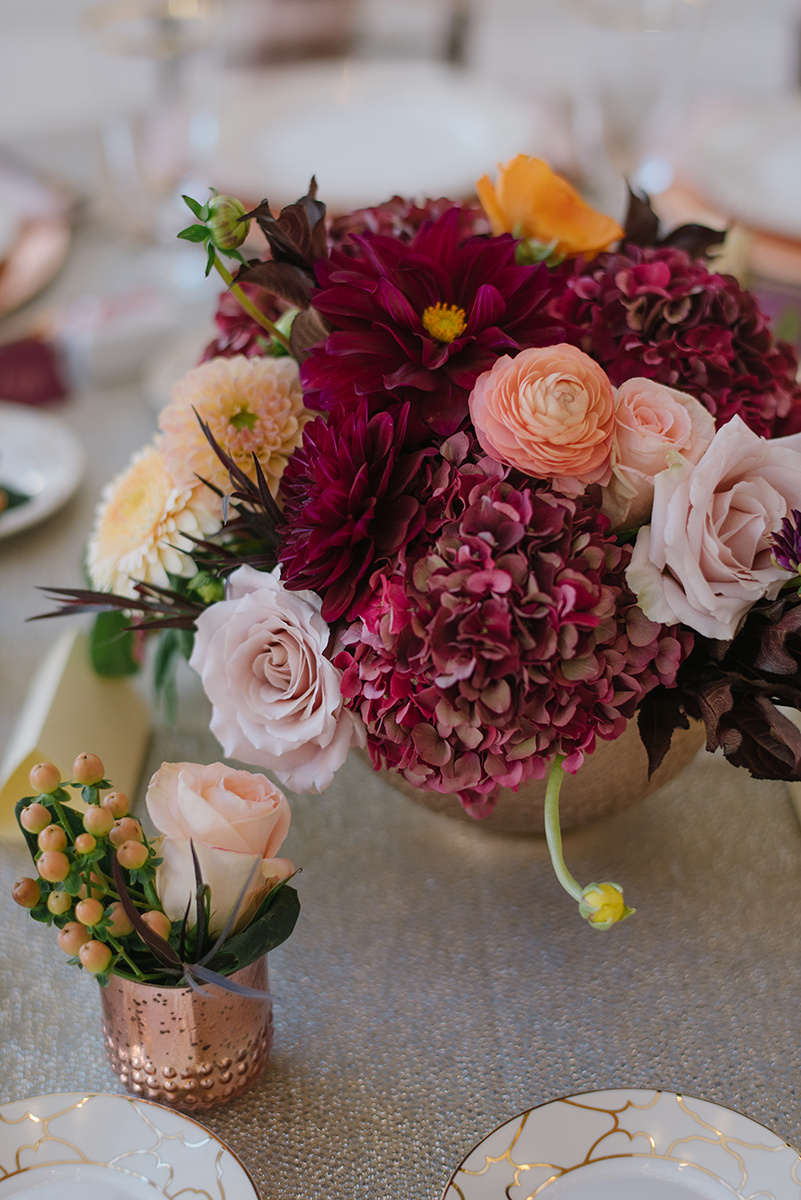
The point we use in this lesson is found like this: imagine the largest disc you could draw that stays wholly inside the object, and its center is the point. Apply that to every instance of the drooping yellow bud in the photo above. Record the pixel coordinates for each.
(602, 904)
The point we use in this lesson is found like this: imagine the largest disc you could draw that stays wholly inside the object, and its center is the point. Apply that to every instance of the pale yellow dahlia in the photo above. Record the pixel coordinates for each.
(251, 405)
(141, 526)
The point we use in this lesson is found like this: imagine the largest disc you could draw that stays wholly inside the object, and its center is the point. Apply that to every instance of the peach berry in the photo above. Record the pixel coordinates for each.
(95, 956)
(97, 820)
(126, 830)
(132, 855)
(52, 837)
(159, 922)
(35, 817)
(120, 921)
(89, 912)
(27, 892)
(87, 769)
(117, 803)
(85, 843)
(45, 777)
(54, 866)
(59, 903)
(72, 937)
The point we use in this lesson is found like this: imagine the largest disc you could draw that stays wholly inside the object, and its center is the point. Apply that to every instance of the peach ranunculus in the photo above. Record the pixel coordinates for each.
(707, 555)
(651, 422)
(529, 200)
(236, 821)
(276, 699)
(550, 412)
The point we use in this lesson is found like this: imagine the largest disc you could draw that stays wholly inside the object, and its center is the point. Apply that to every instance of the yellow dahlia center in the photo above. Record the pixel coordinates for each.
(445, 322)
(244, 419)
(137, 506)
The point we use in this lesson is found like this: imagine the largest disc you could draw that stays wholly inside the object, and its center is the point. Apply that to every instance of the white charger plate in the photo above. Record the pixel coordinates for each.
(79, 1146)
(629, 1144)
(367, 131)
(40, 457)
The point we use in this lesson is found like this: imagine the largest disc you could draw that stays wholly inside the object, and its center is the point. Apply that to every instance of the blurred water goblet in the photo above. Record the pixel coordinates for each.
(637, 84)
(164, 147)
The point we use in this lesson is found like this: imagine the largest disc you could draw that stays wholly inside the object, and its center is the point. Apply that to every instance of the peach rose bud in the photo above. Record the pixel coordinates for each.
(651, 422)
(550, 412)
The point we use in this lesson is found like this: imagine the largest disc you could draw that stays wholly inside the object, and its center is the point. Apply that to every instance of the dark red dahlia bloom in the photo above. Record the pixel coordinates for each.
(401, 218)
(505, 637)
(420, 321)
(239, 333)
(660, 314)
(346, 503)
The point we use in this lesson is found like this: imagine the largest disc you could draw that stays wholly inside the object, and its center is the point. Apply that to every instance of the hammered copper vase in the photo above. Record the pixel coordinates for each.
(611, 779)
(183, 1049)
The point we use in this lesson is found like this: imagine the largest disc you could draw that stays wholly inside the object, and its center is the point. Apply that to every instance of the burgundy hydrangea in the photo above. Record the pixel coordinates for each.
(658, 313)
(346, 505)
(505, 636)
(238, 332)
(420, 321)
(401, 218)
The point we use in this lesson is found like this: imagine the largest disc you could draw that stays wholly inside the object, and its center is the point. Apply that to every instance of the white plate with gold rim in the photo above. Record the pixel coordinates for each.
(40, 457)
(92, 1146)
(629, 1144)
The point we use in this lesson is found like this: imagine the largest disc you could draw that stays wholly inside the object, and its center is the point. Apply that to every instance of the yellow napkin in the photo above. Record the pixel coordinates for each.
(70, 709)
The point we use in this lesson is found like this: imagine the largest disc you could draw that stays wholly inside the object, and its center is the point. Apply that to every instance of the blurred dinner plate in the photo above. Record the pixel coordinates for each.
(747, 165)
(367, 130)
(626, 1144)
(40, 458)
(79, 1146)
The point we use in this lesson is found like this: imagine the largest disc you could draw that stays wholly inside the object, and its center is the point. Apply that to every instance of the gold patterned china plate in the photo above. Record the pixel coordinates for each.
(91, 1146)
(629, 1144)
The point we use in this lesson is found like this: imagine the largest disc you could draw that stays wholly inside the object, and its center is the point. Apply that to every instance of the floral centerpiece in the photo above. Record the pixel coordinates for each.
(472, 485)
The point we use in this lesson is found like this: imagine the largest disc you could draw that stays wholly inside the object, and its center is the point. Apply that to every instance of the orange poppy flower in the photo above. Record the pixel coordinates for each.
(530, 200)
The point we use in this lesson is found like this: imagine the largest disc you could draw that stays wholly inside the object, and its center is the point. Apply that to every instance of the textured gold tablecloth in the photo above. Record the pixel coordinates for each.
(439, 981)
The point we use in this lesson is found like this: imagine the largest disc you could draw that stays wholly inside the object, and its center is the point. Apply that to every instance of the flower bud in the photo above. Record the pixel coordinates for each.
(602, 904)
(227, 230)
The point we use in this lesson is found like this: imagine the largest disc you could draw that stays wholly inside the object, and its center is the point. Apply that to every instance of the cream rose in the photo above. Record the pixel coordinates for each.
(551, 413)
(650, 421)
(276, 699)
(706, 557)
(237, 821)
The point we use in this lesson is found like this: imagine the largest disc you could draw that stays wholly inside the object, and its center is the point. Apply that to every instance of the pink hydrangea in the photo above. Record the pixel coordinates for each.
(504, 637)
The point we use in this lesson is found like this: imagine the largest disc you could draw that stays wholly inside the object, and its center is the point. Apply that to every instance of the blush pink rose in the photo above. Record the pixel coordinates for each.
(275, 697)
(549, 412)
(651, 421)
(236, 821)
(706, 557)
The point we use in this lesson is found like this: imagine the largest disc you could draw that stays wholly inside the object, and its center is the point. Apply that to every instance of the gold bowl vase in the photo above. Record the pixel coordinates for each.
(183, 1049)
(614, 777)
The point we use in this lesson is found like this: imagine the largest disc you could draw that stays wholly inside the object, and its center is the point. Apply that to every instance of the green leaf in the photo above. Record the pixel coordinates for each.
(90, 794)
(210, 259)
(111, 646)
(272, 925)
(194, 206)
(194, 233)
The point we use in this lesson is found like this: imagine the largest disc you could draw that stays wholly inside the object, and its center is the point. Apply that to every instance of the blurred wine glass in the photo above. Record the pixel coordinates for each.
(636, 92)
(153, 154)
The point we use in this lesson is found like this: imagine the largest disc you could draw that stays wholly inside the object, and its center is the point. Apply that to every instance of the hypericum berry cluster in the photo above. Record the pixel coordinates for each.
(73, 852)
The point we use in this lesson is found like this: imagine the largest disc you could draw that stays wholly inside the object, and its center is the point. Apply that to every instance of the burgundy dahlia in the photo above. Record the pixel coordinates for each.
(401, 218)
(658, 313)
(505, 638)
(420, 321)
(346, 503)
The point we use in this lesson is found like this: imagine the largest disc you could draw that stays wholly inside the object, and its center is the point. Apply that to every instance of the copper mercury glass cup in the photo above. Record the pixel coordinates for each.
(183, 1049)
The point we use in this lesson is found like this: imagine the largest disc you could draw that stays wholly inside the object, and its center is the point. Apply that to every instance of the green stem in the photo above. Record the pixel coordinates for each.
(249, 307)
(123, 954)
(553, 833)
